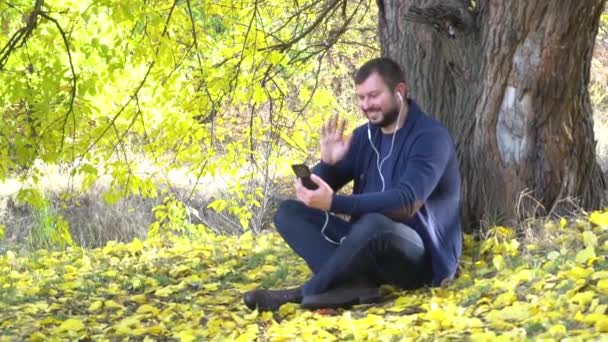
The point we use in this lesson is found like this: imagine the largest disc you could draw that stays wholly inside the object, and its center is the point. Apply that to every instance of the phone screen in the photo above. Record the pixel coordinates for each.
(303, 172)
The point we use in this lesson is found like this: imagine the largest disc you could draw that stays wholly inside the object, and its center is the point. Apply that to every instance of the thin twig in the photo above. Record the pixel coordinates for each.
(72, 91)
(234, 79)
(141, 84)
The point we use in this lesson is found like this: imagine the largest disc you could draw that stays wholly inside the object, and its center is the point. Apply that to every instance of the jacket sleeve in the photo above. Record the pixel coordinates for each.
(420, 174)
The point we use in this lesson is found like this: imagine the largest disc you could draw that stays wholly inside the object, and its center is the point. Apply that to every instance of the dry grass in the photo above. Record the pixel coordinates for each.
(93, 222)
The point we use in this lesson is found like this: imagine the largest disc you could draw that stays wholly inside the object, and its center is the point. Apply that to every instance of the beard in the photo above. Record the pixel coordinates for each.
(388, 118)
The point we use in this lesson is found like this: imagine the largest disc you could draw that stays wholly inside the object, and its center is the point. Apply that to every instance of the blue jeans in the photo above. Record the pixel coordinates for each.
(375, 248)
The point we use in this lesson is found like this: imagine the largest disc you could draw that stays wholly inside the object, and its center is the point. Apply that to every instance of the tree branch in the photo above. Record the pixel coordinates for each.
(450, 17)
(284, 46)
(21, 36)
(122, 109)
(72, 91)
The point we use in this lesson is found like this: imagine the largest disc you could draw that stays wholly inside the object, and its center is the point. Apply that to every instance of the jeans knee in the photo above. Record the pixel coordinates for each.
(370, 226)
(286, 212)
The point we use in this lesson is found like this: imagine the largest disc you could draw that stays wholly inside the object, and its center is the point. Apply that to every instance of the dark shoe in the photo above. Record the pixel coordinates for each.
(343, 296)
(270, 300)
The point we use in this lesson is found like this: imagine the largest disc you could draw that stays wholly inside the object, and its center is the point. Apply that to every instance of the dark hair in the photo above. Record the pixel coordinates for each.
(388, 69)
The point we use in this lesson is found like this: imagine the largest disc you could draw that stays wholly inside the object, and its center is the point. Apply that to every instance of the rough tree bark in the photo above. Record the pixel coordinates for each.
(509, 80)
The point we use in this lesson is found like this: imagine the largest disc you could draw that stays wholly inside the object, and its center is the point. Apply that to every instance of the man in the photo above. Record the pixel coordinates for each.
(404, 226)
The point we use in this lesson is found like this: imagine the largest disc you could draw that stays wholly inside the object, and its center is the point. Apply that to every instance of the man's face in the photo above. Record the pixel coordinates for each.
(377, 101)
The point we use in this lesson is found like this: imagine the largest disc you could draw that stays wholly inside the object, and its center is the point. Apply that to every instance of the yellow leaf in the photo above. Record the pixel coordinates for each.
(594, 318)
(238, 320)
(576, 273)
(512, 247)
(504, 232)
(251, 316)
(486, 246)
(70, 269)
(558, 330)
(48, 320)
(505, 299)
(599, 218)
(139, 299)
(96, 305)
(180, 270)
(589, 239)
(517, 312)
(288, 309)
(155, 330)
(71, 324)
(498, 262)
(38, 337)
(269, 268)
(563, 222)
(531, 247)
(601, 309)
(523, 276)
(602, 285)
(111, 273)
(583, 298)
(585, 254)
(127, 326)
(110, 304)
(164, 292)
(602, 325)
(250, 335)
(187, 335)
(467, 323)
(600, 275)
(136, 245)
(267, 316)
(146, 308)
(483, 337)
(211, 286)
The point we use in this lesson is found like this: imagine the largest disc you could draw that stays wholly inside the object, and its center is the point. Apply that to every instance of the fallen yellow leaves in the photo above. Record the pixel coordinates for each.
(191, 290)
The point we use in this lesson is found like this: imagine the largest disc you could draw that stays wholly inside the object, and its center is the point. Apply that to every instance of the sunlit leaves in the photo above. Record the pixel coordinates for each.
(191, 289)
(210, 88)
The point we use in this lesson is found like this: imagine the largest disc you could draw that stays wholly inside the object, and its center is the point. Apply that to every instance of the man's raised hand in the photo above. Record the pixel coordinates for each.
(333, 143)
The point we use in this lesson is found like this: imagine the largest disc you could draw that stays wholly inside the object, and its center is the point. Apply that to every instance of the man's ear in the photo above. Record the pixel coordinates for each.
(401, 88)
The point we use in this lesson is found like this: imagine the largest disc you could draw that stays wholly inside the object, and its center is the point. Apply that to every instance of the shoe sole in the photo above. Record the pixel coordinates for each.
(340, 299)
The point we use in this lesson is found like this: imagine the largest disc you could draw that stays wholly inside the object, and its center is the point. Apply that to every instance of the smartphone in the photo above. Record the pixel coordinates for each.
(303, 172)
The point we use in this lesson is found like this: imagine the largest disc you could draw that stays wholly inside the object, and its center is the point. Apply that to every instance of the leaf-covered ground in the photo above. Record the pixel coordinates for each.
(552, 286)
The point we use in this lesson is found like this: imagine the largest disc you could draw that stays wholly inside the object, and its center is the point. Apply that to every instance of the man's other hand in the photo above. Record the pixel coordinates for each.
(333, 143)
(319, 198)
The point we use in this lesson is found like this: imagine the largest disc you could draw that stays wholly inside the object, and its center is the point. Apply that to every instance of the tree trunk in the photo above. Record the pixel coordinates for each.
(509, 80)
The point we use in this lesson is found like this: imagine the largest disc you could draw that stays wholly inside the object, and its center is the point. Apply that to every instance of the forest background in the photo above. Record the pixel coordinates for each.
(156, 120)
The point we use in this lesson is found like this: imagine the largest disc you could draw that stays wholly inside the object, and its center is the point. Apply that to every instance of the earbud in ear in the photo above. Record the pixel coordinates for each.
(400, 97)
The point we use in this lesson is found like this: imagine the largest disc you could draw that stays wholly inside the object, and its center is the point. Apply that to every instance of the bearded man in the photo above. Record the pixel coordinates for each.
(404, 227)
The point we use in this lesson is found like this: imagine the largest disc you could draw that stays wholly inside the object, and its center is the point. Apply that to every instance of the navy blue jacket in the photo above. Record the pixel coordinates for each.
(423, 193)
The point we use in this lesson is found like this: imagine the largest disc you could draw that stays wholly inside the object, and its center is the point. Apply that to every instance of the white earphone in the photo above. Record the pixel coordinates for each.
(378, 165)
(390, 151)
